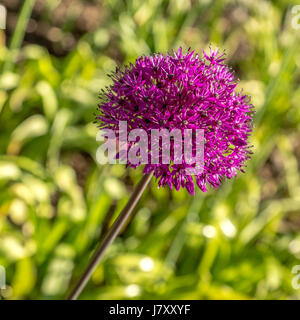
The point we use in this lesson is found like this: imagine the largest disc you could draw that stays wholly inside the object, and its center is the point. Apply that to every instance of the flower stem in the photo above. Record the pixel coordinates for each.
(110, 236)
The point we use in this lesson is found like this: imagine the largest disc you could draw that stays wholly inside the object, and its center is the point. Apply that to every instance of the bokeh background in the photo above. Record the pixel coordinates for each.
(239, 242)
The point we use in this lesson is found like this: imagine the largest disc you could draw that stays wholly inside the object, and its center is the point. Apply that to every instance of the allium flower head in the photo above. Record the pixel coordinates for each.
(183, 91)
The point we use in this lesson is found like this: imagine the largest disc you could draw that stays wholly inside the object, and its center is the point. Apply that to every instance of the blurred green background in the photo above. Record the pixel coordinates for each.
(238, 242)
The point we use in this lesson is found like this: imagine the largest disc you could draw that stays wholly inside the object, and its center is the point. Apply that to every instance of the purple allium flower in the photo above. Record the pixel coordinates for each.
(183, 91)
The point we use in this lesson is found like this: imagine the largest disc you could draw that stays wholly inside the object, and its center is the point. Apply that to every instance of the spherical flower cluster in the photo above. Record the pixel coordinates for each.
(183, 91)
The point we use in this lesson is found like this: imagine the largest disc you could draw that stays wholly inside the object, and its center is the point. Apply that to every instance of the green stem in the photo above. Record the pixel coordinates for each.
(110, 236)
(18, 35)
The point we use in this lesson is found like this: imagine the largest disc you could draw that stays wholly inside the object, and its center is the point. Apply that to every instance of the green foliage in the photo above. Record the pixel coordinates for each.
(239, 242)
